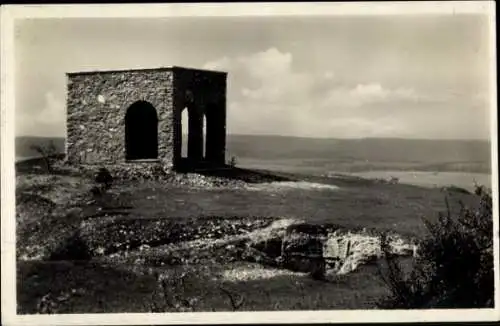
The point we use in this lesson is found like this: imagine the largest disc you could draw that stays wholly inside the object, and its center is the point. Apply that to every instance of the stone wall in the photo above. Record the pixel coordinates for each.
(96, 108)
(97, 104)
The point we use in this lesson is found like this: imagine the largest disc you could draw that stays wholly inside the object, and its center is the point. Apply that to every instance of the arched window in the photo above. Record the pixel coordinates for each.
(141, 131)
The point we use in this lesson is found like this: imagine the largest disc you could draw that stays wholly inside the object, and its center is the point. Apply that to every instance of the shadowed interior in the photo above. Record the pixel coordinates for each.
(141, 131)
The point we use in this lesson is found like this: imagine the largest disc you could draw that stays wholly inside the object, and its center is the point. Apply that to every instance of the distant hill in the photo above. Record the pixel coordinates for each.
(354, 155)
(24, 144)
(372, 149)
(379, 153)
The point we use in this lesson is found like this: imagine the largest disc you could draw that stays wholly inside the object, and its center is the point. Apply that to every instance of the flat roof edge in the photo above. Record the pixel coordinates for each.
(169, 68)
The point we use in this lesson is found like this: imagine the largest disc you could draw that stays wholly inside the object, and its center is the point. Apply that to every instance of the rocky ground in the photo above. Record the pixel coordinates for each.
(104, 228)
(61, 220)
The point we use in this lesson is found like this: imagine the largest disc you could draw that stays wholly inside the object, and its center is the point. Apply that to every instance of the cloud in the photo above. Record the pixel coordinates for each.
(369, 90)
(266, 64)
(265, 76)
(53, 111)
(49, 121)
(313, 76)
(268, 96)
(368, 94)
(221, 63)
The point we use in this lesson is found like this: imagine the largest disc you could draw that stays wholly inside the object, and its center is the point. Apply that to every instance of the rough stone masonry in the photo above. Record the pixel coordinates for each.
(115, 117)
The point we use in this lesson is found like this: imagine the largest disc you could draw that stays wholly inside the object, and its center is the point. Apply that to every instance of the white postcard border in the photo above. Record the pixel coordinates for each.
(8, 281)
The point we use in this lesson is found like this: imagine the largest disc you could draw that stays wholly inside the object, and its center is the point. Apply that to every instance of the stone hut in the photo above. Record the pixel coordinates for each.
(127, 116)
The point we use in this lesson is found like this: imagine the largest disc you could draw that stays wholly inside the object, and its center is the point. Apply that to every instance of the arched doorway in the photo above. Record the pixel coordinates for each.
(141, 131)
(204, 132)
(184, 132)
(191, 137)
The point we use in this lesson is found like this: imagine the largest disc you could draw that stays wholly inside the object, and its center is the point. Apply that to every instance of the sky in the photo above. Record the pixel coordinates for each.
(329, 77)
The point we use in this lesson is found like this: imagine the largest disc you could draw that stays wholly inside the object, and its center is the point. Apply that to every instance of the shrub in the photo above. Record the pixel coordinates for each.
(47, 153)
(232, 161)
(96, 191)
(394, 180)
(104, 178)
(454, 268)
(455, 189)
(71, 248)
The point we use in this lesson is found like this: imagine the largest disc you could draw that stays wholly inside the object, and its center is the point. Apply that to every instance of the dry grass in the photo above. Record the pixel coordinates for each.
(127, 287)
(119, 288)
